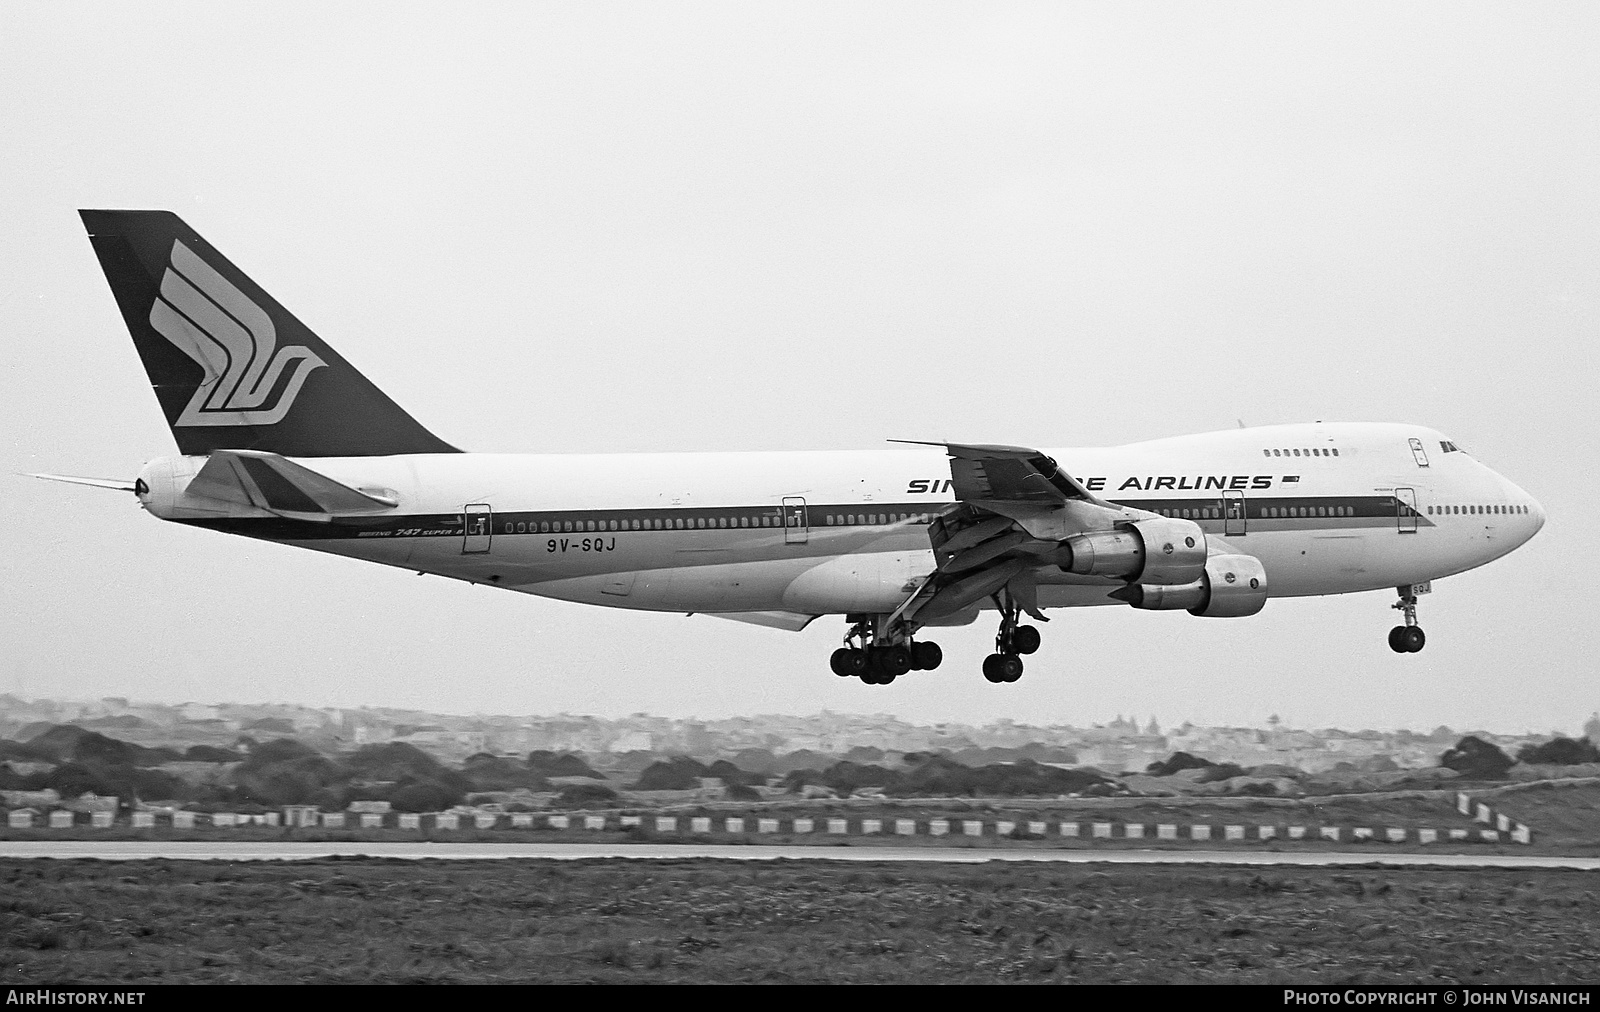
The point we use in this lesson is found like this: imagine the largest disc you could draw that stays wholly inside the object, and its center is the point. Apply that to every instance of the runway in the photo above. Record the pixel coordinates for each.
(136, 850)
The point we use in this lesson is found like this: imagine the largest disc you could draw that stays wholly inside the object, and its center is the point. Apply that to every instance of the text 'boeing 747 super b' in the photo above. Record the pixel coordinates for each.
(281, 439)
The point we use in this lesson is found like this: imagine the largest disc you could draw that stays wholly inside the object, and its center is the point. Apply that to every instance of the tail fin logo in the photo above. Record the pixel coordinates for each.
(248, 379)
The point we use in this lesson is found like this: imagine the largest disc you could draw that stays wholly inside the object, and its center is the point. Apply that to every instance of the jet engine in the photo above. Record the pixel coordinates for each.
(1230, 586)
(1159, 551)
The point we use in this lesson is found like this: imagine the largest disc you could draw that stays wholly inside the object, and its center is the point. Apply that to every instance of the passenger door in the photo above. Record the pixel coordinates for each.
(477, 528)
(1405, 510)
(1233, 513)
(796, 523)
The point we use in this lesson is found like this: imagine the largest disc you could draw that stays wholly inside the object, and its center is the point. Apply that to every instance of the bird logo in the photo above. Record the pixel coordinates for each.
(248, 379)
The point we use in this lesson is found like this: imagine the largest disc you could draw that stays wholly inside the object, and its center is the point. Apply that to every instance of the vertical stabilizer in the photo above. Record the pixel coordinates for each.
(231, 367)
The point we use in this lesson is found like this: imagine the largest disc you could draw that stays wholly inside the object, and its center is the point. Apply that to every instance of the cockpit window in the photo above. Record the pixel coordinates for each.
(1448, 447)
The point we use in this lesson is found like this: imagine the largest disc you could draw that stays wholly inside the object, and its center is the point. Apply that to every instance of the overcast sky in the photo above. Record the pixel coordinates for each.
(689, 226)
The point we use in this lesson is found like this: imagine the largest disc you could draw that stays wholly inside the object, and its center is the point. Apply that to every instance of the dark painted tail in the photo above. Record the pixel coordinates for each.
(232, 368)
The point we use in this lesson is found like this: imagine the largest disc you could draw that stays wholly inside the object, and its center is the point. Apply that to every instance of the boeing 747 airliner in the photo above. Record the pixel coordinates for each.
(279, 438)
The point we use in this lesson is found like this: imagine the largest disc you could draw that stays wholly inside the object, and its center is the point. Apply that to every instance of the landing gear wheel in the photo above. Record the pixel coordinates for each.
(991, 669)
(893, 661)
(1011, 666)
(847, 662)
(1414, 639)
(1397, 639)
(1002, 667)
(926, 656)
(1025, 639)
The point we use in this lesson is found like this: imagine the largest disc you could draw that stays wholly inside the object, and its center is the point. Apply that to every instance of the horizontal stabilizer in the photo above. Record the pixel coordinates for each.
(112, 483)
(270, 482)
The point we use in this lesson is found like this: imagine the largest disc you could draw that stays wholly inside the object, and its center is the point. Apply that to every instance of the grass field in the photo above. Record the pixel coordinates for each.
(696, 921)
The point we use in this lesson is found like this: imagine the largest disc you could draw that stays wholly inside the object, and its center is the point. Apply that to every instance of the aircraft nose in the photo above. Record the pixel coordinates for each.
(1538, 515)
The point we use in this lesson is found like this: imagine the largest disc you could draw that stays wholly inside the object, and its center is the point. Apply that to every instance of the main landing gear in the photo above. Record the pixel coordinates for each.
(881, 658)
(1004, 665)
(1408, 638)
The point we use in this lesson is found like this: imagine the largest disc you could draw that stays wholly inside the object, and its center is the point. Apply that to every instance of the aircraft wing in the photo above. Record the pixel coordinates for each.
(1017, 506)
(1012, 474)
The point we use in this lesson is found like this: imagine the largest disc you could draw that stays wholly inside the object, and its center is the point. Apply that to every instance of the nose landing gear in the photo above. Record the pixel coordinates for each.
(1408, 638)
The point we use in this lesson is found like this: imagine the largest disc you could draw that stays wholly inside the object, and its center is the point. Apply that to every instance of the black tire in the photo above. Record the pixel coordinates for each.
(1415, 639)
(926, 656)
(894, 661)
(991, 669)
(840, 662)
(1025, 640)
(1009, 666)
(855, 663)
(1397, 639)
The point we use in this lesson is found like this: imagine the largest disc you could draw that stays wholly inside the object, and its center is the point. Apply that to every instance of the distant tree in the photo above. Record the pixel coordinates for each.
(495, 773)
(1474, 757)
(210, 754)
(730, 774)
(756, 760)
(564, 764)
(1264, 790)
(846, 777)
(1176, 762)
(70, 743)
(742, 792)
(276, 725)
(1560, 752)
(1220, 771)
(424, 796)
(585, 796)
(278, 750)
(680, 773)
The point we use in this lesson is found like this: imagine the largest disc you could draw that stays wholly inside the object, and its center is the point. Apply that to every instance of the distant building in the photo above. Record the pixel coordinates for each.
(301, 815)
(46, 798)
(711, 789)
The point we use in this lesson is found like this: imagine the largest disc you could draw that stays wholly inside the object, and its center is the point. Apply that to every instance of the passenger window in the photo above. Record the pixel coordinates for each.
(1336, 451)
(1297, 453)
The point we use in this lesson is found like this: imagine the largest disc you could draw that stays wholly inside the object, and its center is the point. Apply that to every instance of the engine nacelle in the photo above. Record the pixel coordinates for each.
(1236, 585)
(1158, 552)
(1231, 586)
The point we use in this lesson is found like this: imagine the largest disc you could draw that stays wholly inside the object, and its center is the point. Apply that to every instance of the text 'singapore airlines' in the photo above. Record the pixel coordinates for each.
(280, 438)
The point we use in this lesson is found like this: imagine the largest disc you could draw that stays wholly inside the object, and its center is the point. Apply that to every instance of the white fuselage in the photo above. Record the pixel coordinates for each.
(1327, 509)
